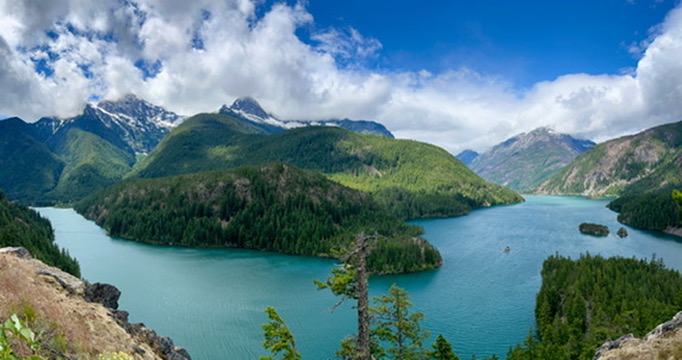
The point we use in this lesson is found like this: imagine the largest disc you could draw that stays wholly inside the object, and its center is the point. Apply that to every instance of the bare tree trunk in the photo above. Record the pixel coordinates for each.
(364, 342)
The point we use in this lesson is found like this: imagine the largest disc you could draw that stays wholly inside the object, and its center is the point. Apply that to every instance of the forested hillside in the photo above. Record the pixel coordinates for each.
(412, 179)
(21, 226)
(274, 207)
(584, 302)
(91, 165)
(28, 169)
(62, 160)
(630, 165)
(655, 210)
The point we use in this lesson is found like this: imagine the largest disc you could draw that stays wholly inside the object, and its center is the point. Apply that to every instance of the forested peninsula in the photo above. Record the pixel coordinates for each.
(274, 207)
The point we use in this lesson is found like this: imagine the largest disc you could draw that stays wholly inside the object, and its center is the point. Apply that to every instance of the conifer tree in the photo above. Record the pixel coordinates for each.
(394, 324)
(278, 338)
(442, 350)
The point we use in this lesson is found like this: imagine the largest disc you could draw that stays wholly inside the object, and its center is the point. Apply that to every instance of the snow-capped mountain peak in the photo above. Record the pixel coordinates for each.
(136, 109)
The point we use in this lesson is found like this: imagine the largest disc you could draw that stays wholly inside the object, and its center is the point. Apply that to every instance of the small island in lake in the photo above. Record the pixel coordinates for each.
(594, 229)
(622, 232)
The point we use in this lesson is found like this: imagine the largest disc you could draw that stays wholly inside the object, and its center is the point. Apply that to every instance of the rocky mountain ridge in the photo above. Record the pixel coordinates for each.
(526, 160)
(248, 108)
(129, 122)
(61, 160)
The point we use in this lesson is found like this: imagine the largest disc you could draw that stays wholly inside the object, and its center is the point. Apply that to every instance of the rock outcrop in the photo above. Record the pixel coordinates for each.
(664, 342)
(85, 316)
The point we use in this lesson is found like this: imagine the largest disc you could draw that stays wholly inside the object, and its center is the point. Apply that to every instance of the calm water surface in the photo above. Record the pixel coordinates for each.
(482, 299)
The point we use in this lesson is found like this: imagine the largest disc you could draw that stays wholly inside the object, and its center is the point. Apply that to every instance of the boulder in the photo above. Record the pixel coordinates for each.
(104, 294)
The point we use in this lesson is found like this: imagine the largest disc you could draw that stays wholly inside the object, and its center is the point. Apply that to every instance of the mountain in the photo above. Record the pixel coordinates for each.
(62, 160)
(411, 178)
(525, 161)
(467, 156)
(28, 169)
(273, 207)
(91, 164)
(129, 123)
(249, 109)
(630, 165)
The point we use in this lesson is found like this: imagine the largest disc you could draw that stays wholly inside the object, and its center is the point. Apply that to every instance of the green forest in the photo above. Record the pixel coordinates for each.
(21, 226)
(651, 211)
(274, 207)
(412, 179)
(584, 302)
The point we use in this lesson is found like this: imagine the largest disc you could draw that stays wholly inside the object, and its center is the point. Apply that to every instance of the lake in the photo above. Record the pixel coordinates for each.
(482, 299)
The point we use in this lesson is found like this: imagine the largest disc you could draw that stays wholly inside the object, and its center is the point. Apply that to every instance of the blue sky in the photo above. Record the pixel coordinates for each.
(458, 74)
(521, 41)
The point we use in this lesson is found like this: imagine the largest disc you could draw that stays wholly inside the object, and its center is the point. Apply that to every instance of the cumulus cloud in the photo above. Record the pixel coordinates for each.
(193, 56)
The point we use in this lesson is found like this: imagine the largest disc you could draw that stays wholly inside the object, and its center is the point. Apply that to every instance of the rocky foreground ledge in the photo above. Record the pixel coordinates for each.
(77, 319)
(664, 342)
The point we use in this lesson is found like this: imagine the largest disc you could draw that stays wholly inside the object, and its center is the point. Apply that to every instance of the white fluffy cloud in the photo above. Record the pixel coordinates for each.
(194, 56)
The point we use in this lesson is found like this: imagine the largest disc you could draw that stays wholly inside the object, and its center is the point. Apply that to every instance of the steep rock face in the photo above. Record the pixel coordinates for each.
(634, 164)
(526, 160)
(61, 306)
(664, 342)
(249, 109)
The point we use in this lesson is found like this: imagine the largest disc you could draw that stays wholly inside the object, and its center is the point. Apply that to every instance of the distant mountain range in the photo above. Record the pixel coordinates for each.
(467, 156)
(58, 160)
(61, 160)
(249, 109)
(526, 160)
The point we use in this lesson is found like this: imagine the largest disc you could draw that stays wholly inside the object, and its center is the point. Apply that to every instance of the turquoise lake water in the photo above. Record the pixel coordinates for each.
(482, 300)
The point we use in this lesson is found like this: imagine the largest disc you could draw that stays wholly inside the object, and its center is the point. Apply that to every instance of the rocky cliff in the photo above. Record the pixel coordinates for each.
(664, 342)
(73, 318)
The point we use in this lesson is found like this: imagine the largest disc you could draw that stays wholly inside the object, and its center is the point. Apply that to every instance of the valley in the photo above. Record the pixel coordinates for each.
(478, 284)
(302, 180)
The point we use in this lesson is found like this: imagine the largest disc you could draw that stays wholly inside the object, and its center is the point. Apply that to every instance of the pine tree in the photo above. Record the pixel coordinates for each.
(442, 350)
(278, 338)
(395, 324)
